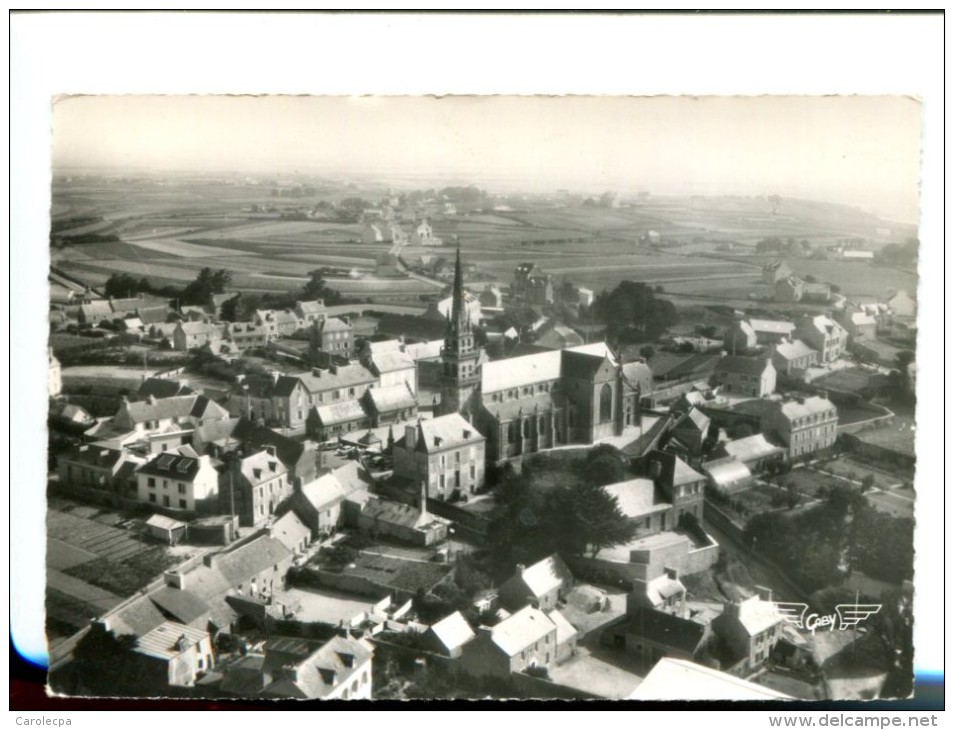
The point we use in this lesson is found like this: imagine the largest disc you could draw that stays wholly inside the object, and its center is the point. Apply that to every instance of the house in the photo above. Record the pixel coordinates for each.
(391, 404)
(327, 422)
(771, 331)
(71, 418)
(858, 323)
(181, 413)
(402, 522)
(166, 529)
(300, 458)
(566, 636)
(643, 505)
(310, 312)
(423, 235)
(775, 271)
(277, 322)
(664, 593)
(750, 629)
(180, 482)
(692, 431)
(54, 375)
(791, 358)
(291, 532)
(162, 388)
(825, 335)
(651, 635)
(190, 335)
(446, 453)
(333, 335)
(246, 335)
(558, 338)
(174, 654)
(318, 504)
(525, 639)
(491, 297)
(339, 669)
(790, 289)
(532, 285)
(91, 470)
(252, 487)
(727, 475)
(94, 312)
(804, 425)
(294, 396)
(682, 485)
(901, 304)
(542, 585)
(442, 308)
(585, 296)
(681, 680)
(392, 367)
(739, 337)
(755, 451)
(448, 636)
(748, 376)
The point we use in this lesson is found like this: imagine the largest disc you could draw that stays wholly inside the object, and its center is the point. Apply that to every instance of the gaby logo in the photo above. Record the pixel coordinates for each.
(846, 615)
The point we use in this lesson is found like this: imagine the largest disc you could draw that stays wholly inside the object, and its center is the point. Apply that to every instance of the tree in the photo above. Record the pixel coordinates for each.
(240, 308)
(350, 209)
(121, 286)
(208, 282)
(867, 483)
(316, 288)
(633, 313)
(596, 520)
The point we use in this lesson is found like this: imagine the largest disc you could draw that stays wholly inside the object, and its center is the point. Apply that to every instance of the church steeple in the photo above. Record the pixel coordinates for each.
(460, 376)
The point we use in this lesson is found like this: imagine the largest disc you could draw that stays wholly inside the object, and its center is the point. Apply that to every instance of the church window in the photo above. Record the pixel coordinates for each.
(606, 402)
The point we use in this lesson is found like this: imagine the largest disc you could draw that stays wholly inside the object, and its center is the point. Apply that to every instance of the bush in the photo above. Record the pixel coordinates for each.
(538, 672)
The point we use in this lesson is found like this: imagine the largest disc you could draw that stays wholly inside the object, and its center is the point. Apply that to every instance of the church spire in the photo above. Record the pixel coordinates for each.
(460, 318)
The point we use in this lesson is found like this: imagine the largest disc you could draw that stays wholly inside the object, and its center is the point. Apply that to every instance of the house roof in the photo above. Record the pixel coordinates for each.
(261, 467)
(861, 319)
(453, 631)
(443, 432)
(663, 587)
(199, 328)
(742, 365)
(391, 398)
(244, 678)
(162, 641)
(333, 324)
(560, 337)
(183, 605)
(793, 350)
(664, 628)
(137, 617)
(153, 315)
(290, 531)
(756, 615)
(162, 388)
(424, 350)
(807, 407)
(527, 626)
(215, 431)
(180, 406)
(320, 672)
(674, 470)
(313, 307)
(581, 364)
(92, 456)
(99, 308)
(821, 323)
(727, 471)
(636, 497)
(390, 361)
(771, 326)
(173, 466)
(694, 419)
(751, 447)
(565, 630)
(678, 679)
(323, 491)
(343, 412)
(527, 405)
(342, 376)
(544, 576)
(164, 523)
(250, 559)
(638, 373)
(353, 476)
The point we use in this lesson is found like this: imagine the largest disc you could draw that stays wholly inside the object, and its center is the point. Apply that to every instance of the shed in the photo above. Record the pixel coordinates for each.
(166, 529)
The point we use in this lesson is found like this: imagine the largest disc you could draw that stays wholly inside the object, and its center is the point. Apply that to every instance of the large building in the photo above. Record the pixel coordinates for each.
(825, 335)
(447, 454)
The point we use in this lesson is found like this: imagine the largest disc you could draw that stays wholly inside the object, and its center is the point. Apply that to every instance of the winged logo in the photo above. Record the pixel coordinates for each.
(793, 613)
(851, 614)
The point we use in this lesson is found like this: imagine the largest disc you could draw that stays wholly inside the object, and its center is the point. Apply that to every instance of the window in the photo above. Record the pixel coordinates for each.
(183, 504)
(152, 497)
(150, 482)
(473, 472)
(606, 402)
(182, 488)
(165, 501)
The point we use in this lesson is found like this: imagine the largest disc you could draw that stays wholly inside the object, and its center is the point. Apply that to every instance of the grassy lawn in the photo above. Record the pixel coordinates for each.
(127, 576)
(807, 482)
(855, 470)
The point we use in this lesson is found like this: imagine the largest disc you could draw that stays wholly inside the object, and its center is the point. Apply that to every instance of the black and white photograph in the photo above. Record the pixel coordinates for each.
(416, 397)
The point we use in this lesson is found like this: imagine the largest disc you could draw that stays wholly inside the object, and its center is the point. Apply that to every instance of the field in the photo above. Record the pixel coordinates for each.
(699, 249)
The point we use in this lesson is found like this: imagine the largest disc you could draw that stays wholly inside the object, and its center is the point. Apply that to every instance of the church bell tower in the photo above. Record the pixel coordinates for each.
(460, 358)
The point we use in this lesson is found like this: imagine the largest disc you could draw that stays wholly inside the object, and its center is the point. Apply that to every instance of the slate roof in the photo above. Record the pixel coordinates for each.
(444, 432)
(353, 476)
(343, 376)
(180, 406)
(664, 628)
(741, 365)
(756, 615)
(164, 523)
(183, 605)
(564, 629)
(751, 447)
(314, 307)
(290, 531)
(325, 670)
(343, 412)
(161, 641)
(638, 373)
(527, 626)
(678, 679)
(244, 678)
(637, 497)
(424, 350)
(560, 337)
(92, 456)
(694, 419)
(333, 324)
(809, 407)
(162, 388)
(323, 491)
(413, 326)
(511, 408)
(663, 587)
(793, 350)
(391, 398)
(250, 559)
(453, 631)
(172, 466)
(544, 576)
(138, 617)
(516, 372)
(397, 513)
(391, 361)
(261, 467)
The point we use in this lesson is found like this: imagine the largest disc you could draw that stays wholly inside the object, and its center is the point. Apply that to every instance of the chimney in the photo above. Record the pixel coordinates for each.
(152, 399)
(764, 593)
(175, 579)
(521, 568)
(410, 437)
(672, 573)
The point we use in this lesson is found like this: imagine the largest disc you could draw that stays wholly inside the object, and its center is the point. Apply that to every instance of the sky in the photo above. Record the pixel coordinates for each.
(858, 150)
